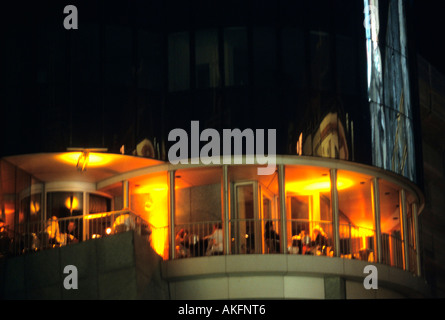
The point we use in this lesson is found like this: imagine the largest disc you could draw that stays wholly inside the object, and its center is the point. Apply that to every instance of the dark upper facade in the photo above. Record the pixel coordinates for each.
(332, 77)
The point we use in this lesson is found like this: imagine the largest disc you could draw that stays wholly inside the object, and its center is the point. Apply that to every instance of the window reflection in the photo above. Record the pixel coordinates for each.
(178, 61)
(328, 139)
(264, 56)
(294, 68)
(235, 56)
(150, 63)
(321, 66)
(206, 59)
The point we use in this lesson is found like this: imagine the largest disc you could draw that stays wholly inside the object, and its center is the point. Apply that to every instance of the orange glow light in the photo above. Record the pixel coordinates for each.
(307, 187)
(72, 204)
(35, 207)
(151, 188)
(94, 159)
(151, 201)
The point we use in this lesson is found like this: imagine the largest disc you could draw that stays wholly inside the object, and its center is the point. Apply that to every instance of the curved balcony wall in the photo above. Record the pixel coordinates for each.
(370, 215)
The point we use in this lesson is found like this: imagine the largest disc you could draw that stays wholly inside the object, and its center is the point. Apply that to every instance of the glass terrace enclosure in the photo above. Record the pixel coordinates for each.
(308, 206)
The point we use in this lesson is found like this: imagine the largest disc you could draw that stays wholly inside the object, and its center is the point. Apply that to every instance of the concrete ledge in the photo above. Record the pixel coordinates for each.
(122, 266)
(271, 277)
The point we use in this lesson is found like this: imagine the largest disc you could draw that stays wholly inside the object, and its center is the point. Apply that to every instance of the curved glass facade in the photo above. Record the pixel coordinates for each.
(324, 208)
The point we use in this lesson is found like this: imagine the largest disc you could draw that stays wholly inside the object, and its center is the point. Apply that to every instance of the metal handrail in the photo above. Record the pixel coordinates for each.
(58, 232)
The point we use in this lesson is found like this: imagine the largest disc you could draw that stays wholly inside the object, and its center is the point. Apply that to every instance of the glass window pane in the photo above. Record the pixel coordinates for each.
(64, 204)
(321, 67)
(308, 202)
(412, 249)
(63, 227)
(178, 61)
(346, 65)
(198, 210)
(98, 204)
(207, 65)
(390, 224)
(235, 56)
(150, 60)
(255, 216)
(149, 200)
(356, 217)
(293, 57)
(264, 56)
(118, 56)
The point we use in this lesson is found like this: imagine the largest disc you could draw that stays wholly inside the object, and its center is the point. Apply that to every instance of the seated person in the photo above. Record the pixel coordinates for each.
(71, 233)
(321, 240)
(52, 229)
(215, 246)
(180, 244)
(272, 238)
(123, 222)
(57, 238)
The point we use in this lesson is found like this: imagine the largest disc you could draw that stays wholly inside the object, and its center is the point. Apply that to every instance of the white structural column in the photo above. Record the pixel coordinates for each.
(126, 194)
(171, 188)
(226, 213)
(375, 193)
(416, 235)
(282, 200)
(334, 212)
(404, 226)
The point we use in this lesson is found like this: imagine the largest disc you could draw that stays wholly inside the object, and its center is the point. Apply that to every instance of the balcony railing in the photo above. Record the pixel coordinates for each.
(59, 232)
(247, 236)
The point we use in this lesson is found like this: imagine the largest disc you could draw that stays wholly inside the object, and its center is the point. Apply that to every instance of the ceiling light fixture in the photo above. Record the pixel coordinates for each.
(83, 157)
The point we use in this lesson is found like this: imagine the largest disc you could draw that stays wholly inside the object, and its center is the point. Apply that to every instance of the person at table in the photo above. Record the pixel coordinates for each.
(180, 247)
(52, 229)
(321, 240)
(215, 241)
(71, 236)
(272, 238)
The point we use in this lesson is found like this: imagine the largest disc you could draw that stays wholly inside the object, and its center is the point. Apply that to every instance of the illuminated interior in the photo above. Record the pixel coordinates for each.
(149, 199)
(308, 194)
(253, 211)
(357, 234)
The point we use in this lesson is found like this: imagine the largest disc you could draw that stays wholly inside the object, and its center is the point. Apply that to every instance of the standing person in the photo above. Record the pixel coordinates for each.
(215, 245)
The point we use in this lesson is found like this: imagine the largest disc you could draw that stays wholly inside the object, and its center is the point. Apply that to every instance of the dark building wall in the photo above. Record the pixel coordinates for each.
(119, 267)
(432, 219)
(139, 69)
